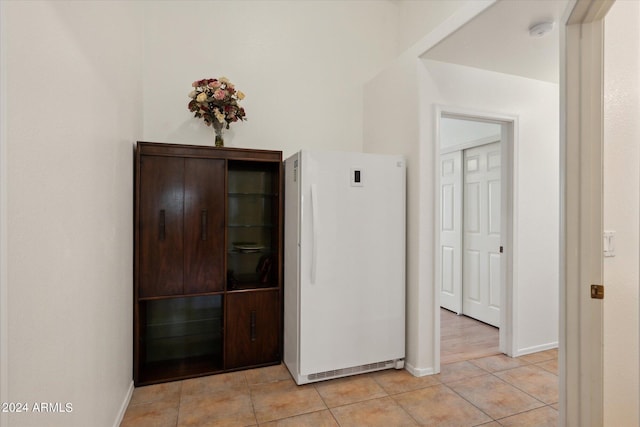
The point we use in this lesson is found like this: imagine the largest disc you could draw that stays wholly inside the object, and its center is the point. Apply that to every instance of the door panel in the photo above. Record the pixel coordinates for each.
(472, 276)
(252, 325)
(204, 225)
(494, 280)
(451, 231)
(448, 215)
(161, 226)
(447, 270)
(472, 208)
(481, 236)
(494, 207)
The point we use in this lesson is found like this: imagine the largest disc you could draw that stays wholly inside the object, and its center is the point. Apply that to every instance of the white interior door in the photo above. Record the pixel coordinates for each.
(451, 231)
(481, 259)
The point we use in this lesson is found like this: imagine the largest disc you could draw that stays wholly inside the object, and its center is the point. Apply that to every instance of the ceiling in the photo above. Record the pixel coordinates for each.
(498, 40)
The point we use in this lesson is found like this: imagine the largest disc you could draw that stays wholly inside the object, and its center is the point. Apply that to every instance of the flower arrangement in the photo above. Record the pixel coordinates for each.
(216, 102)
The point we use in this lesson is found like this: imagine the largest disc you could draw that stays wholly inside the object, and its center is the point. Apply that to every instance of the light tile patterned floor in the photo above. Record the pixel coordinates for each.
(485, 391)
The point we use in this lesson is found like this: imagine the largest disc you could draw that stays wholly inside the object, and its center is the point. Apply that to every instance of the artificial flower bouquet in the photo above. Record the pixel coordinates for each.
(216, 101)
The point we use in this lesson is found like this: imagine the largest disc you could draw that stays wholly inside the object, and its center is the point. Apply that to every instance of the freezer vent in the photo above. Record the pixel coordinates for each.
(319, 376)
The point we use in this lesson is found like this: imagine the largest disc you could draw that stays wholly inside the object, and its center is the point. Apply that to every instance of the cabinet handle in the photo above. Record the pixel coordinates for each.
(252, 324)
(203, 224)
(162, 227)
(314, 233)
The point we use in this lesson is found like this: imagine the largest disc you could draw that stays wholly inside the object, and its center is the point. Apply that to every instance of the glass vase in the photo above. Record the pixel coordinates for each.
(219, 133)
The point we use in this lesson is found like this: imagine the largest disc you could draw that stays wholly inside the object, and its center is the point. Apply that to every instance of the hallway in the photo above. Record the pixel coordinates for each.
(463, 338)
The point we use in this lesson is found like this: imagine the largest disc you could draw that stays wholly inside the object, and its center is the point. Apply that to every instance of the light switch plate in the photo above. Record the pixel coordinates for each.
(609, 243)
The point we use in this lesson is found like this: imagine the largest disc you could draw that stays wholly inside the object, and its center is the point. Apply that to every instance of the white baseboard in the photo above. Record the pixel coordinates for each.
(124, 406)
(418, 372)
(535, 349)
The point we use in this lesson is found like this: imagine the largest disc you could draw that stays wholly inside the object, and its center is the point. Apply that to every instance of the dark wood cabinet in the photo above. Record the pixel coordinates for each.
(204, 214)
(181, 225)
(207, 260)
(250, 339)
(160, 226)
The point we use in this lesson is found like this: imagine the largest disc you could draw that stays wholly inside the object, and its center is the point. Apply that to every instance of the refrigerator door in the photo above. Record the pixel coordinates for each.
(292, 207)
(352, 261)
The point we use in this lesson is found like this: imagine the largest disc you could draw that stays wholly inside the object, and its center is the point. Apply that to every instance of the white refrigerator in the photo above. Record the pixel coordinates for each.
(344, 290)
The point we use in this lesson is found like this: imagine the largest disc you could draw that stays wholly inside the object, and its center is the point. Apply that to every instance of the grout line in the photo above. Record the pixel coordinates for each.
(319, 394)
(506, 382)
(393, 395)
(524, 412)
(334, 417)
(470, 402)
(525, 392)
(250, 391)
(179, 403)
(403, 408)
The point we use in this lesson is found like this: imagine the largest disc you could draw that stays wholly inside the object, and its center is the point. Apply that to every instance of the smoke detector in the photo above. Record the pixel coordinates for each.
(540, 29)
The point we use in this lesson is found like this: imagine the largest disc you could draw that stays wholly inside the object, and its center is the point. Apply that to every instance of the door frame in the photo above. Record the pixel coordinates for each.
(508, 234)
(581, 204)
(4, 286)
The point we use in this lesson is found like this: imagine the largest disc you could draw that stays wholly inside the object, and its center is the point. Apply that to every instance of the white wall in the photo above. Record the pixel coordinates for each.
(621, 212)
(391, 127)
(536, 182)
(419, 17)
(81, 81)
(72, 93)
(535, 104)
(302, 66)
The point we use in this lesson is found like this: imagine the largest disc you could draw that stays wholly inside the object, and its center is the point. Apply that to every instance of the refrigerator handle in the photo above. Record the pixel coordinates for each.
(314, 232)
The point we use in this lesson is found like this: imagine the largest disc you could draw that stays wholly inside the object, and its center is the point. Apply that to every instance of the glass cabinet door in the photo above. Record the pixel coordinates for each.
(252, 218)
(180, 336)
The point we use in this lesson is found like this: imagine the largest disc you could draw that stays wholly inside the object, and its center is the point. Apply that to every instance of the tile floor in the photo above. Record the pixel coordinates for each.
(463, 338)
(489, 391)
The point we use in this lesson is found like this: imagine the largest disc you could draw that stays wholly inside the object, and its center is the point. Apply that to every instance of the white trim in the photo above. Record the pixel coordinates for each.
(509, 149)
(4, 318)
(471, 144)
(454, 112)
(419, 372)
(509, 236)
(581, 141)
(125, 405)
(536, 349)
(563, 386)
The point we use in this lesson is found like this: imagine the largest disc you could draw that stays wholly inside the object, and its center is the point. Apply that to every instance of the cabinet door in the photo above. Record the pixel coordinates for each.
(253, 221)
(161, 226)
(252, 328)
(204, 225)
